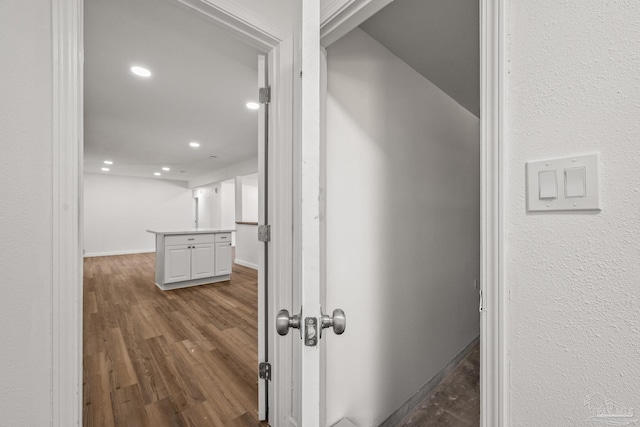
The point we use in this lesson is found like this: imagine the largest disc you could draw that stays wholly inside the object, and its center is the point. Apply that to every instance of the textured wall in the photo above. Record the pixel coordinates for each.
(574, 87)
(402, 211)
(25, 213)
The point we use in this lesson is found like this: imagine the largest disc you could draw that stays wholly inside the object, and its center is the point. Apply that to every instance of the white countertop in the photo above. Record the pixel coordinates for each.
(192, 231)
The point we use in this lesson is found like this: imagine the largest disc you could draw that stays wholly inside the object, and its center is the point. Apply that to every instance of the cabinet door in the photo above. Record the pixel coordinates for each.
(202, 261)
(223, 258)
(177, 263)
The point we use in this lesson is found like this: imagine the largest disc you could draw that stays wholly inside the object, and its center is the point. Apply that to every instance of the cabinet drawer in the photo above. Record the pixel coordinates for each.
(223, 237)
(186, 239)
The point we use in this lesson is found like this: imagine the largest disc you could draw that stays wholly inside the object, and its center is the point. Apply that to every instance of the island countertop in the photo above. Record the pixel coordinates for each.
(192, 231)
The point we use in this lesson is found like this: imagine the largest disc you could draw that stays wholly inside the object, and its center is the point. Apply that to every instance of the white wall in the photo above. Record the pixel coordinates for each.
(118, 210)
(247, 245)
(209, 205)
(216, 206)
(26, 213)
(402, 230)
(574, 279)
(228, 214)
(250, 198)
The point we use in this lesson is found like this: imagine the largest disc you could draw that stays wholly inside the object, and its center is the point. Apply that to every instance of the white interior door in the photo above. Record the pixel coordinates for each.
(263, 324)
(310, 358)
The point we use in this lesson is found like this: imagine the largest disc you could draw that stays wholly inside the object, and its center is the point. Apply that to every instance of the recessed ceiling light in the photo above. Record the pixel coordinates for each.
(105, 169)
(166, 169)
(253, 105)
(157, 173)
(140, 71)
(194, 144)
(108, 162)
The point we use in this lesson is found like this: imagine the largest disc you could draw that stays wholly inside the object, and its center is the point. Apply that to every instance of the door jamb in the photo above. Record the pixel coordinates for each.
(67, 107)
(341, 16)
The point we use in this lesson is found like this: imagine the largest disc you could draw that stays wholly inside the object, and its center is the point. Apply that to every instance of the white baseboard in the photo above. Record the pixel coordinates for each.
(130, 252)
(245, 264)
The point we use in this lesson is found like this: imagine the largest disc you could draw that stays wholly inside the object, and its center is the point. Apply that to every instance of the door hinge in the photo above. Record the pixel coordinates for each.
(265, 95)
(264, 371)
(264, 233)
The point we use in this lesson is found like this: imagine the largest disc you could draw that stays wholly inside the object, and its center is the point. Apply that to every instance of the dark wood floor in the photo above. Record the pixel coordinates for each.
(186, 357)
(455, 401)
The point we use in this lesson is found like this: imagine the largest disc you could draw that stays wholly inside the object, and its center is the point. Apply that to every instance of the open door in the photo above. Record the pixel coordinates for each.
(264, 367)
(309, 319)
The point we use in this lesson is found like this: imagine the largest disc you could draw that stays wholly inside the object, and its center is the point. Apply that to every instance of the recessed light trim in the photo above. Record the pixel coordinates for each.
(194, 144)
(253, 105)
(108, 162)
(157, 173)
(105, 169)
(140, 71)
(166, 169)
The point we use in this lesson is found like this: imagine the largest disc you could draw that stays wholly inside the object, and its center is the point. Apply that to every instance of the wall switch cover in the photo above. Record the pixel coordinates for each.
(575, 182)
(578, 179)
(548, 184)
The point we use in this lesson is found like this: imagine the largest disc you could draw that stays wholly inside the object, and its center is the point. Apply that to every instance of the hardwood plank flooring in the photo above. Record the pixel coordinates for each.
(186, 357)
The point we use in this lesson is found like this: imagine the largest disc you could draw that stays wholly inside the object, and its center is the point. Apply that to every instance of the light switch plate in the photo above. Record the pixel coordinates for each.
(591, 199)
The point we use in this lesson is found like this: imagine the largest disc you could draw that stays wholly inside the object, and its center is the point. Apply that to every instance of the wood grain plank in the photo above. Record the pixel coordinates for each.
(167, 358)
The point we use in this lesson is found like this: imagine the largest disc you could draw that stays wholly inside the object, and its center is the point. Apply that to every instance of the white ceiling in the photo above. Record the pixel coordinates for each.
(439, 39)
(202, 79)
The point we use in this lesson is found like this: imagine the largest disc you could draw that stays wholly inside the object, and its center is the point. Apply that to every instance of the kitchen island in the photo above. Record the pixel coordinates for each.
(192, 257)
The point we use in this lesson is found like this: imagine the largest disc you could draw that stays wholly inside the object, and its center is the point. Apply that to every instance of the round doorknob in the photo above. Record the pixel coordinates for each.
(338, 321)
(284, 322)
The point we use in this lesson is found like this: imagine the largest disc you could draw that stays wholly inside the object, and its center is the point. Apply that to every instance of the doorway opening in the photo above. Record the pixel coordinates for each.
(403, 221)
(171, 327)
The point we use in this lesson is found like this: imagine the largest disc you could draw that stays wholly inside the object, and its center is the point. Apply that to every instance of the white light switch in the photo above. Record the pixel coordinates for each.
(574, 182)
(548, 184)
(578, 179)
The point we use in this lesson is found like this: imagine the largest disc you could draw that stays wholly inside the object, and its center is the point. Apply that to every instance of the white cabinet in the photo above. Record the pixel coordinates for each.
(191, 259)
(177, 263)
(223, 258)
(188, 262)
(202, 261)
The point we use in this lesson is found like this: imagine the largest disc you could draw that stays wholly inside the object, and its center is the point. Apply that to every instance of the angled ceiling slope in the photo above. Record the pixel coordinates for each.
(439, 39)
(202, 77)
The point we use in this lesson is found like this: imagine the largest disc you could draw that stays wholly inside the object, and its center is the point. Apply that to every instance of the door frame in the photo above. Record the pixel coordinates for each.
(337, 18)
(67, 188)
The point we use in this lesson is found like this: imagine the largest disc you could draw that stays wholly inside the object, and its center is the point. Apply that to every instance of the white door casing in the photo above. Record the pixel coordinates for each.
(67, 31)
(338, 17)
(263, 321)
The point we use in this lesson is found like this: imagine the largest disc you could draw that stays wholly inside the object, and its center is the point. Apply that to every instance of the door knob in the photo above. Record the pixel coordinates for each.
(284, 322)
(338, 321)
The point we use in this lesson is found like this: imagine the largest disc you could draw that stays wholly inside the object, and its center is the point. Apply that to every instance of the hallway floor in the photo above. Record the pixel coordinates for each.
(186, 357)
(455, 402)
